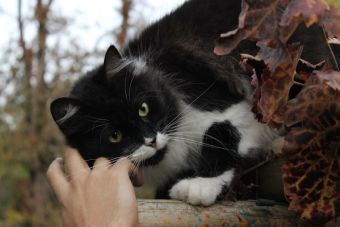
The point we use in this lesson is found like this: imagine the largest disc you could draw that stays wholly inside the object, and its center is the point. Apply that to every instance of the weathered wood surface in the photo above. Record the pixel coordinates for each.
(241, 213)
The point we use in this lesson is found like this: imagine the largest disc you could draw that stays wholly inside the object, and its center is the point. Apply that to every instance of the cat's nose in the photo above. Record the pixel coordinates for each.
(150, 141)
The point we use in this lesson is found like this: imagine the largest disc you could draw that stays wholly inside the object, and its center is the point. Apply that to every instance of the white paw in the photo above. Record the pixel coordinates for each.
(201, 190)
(196, 191)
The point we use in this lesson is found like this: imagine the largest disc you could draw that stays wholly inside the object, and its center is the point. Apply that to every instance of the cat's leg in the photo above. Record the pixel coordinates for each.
(201, 190)
(219, 159)
(162, 192)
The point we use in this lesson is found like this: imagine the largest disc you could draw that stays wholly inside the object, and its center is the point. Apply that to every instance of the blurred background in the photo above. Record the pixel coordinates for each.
(46, 45)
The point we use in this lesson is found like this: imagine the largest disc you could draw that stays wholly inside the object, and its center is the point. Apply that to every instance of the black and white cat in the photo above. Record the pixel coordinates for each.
(168, 103)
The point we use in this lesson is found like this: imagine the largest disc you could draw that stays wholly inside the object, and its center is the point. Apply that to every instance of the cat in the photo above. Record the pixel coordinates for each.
(179, 112)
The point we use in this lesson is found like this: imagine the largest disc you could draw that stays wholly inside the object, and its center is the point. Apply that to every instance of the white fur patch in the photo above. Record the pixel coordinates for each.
(253, 133)
(201, 190)
(139, 65)
(161, 141)
(174, 161)
(123, 63)
(70, 111)
(148, 141)
(185, 144)
(142, 153)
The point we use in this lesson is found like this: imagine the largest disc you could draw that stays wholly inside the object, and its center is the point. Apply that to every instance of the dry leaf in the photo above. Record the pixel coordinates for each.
(312, 149)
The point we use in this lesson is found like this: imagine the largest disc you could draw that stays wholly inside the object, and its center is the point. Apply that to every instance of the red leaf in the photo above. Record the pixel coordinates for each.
(304, 69)
(331, 22)
(257, 21)
(270, 21)
(272, 90)
(311, 172)
(308, 11)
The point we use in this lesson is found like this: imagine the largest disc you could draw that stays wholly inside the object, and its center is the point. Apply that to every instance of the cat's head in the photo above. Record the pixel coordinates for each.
(120, 109)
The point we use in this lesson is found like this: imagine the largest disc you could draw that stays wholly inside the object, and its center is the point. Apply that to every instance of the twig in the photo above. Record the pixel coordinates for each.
(237, 178)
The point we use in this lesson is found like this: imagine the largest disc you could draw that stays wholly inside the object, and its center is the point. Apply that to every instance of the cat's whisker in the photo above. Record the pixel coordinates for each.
(88, 117)
(193, 134)
(171, 125)
(131, 81)
(174, 124)
(175, 121)
(97, 126)
(187, 124)
(187, 108)
(199, 143)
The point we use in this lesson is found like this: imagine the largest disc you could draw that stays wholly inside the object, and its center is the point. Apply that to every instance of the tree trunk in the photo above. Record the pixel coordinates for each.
(27, 60)
(125, 12)
(35, 195)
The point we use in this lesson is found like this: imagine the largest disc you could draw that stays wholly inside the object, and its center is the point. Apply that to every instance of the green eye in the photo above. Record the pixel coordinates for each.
(116, 137)
(143, 110)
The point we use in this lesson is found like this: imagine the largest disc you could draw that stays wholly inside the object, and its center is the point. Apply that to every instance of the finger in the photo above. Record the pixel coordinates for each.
(137, 179)
(101, 164)
(57, 179)
(75, 164)
(124, 165)
(127, 166)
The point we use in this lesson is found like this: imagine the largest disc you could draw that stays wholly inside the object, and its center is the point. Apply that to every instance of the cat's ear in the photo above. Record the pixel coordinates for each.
(64, 111)
(112, 59)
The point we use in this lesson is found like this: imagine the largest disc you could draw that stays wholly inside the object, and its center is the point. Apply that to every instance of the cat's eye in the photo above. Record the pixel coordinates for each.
(143, 110)
(116, 137)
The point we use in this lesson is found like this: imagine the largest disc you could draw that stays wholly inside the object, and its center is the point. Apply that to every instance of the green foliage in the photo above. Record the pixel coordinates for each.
(13, 218)
(335, 2)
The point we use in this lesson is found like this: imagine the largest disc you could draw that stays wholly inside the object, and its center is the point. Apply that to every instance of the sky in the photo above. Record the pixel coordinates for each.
(90, 19)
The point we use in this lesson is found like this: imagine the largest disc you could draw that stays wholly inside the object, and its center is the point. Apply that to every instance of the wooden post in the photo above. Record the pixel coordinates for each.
(242, 213)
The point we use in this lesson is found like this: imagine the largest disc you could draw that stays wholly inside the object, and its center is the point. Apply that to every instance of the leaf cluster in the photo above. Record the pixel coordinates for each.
(296, 83)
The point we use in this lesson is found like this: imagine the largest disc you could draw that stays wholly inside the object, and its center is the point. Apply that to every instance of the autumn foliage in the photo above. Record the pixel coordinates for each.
(296, 83)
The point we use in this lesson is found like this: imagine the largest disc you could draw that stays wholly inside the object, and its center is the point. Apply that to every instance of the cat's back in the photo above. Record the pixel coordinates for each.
(181, 44)
(196, 22)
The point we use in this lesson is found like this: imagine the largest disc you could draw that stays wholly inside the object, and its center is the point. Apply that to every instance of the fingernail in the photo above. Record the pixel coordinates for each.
(60, 160)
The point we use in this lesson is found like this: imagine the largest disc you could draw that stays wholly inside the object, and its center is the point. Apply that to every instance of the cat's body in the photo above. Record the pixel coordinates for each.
(180, 112)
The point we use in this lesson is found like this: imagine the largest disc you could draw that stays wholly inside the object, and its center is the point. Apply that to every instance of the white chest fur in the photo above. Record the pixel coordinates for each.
(185, 144)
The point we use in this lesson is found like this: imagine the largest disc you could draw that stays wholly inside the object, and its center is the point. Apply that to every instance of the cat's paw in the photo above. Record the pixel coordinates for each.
(197, 191)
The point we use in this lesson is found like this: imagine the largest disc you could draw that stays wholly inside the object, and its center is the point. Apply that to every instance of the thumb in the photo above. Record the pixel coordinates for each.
(136, 177)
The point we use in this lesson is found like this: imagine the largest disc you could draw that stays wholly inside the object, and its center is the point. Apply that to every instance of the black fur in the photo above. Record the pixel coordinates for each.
(222, 152)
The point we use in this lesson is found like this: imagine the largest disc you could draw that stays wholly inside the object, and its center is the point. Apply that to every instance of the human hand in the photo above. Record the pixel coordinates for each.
(103, 196)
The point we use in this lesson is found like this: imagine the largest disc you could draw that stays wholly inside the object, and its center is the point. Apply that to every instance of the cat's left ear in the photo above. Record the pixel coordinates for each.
(65, 112)
(112, 59)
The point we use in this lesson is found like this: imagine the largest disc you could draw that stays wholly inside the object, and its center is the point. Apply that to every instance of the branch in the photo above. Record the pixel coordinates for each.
(27, 60)
(241, 213)
(41, 14)
(21, 26)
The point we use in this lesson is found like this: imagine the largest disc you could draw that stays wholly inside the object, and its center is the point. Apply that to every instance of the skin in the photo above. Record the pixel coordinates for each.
(103, 196)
